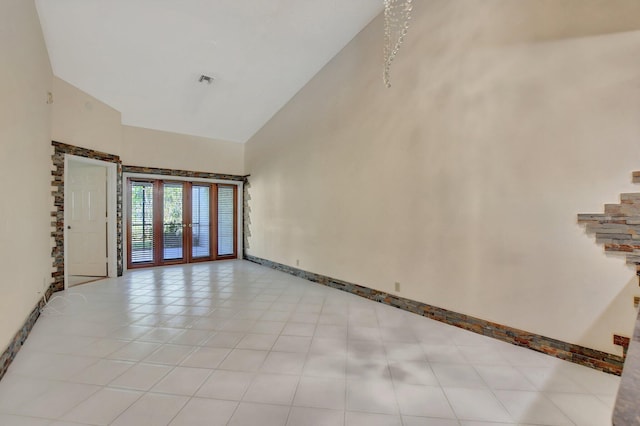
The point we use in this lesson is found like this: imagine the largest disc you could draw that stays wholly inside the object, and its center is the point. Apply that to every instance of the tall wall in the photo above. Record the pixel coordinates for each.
(154, 148)
(25, 164)
(462, 181)
(28, 123)
(80, 119)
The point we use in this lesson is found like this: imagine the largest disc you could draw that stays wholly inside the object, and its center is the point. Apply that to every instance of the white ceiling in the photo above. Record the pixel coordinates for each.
(144, 57)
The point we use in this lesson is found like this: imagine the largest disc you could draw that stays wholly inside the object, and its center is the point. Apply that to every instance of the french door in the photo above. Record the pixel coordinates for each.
(173, 222)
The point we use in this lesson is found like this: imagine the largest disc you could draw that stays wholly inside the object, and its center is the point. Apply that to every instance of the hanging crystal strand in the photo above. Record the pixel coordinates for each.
(397, 14)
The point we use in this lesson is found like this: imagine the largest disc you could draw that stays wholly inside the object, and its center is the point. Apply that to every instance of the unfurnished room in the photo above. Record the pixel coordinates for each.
(306, 213)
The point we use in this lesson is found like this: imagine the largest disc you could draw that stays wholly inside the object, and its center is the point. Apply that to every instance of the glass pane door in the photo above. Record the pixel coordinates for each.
(226, 220)
(200, 221)
(176, 222)
(141, 248)
(172, 225)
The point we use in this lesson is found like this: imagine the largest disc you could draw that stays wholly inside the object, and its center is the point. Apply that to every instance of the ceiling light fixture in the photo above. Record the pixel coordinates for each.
(397, 14)
(205, 78)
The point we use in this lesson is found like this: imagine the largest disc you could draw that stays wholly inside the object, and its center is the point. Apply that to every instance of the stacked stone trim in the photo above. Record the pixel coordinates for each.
(57, 252)
(246, 214)
(618, 228)
(622, 341)
(18, 340)
(60, 149)
(203, 175)
(592, 358)
(181, 173)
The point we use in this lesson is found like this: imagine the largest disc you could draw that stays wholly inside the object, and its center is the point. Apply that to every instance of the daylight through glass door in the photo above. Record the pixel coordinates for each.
(200, 221)
(173, 222)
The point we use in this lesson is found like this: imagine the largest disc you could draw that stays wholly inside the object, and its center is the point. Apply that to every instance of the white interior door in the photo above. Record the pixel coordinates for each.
(87, 220)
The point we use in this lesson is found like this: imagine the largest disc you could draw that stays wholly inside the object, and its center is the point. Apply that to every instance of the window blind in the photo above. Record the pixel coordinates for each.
(200, 221)
(172, 229)
(225, 220)
(142, 241)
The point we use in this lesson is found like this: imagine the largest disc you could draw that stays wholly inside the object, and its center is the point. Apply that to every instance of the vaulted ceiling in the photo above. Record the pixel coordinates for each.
(145, 57)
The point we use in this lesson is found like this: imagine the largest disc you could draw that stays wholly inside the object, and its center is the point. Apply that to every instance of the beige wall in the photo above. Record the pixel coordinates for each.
(463, 181)
(25, 158)
(27, 126)
(154, 148)
(80, 119)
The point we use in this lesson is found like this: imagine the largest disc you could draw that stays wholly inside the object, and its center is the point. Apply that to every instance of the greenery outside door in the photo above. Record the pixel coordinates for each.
(177, 222)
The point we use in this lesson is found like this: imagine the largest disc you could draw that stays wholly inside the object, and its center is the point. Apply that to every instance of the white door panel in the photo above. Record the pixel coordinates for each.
(86, 229)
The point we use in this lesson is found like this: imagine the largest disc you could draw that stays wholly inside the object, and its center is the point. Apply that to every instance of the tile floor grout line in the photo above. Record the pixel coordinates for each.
(299, 305)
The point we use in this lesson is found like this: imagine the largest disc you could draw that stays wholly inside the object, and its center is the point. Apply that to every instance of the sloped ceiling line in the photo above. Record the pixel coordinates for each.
(144, 58)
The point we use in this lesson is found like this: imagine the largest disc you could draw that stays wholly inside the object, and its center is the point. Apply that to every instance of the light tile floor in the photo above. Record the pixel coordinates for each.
(234, 343)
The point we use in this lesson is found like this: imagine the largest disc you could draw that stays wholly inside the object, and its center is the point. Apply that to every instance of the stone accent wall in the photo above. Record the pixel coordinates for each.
(60, 149)
(618, 228)
(57, 233)
(598, 360)
(180, 173)
(246, 214)
(57, 252)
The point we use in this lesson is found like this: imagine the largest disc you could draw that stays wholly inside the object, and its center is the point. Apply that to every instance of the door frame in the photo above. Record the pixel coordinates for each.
(125, 206)
(112, 228)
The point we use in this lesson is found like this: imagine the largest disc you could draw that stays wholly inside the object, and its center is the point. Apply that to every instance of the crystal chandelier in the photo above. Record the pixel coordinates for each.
(397, 14)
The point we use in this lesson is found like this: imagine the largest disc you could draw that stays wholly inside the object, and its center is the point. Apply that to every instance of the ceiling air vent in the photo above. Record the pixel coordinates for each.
(205, 79)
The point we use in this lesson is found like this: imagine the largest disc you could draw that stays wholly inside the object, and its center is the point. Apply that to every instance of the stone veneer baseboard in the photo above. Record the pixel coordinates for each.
(627, 410)
(618, 230)
(18, 340)
(598, 360)
(57, 252)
